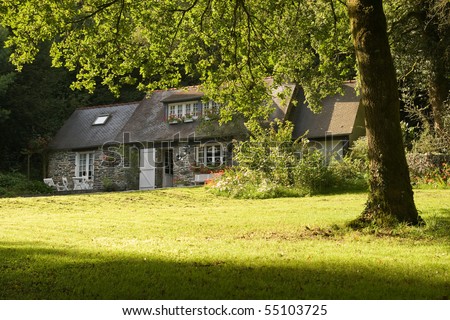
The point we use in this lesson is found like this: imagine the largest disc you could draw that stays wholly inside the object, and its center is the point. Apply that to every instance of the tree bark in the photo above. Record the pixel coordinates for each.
(391, 197)
(437, 93)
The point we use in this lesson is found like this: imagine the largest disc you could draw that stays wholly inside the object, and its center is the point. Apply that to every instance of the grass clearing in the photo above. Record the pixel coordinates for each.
(188, 244)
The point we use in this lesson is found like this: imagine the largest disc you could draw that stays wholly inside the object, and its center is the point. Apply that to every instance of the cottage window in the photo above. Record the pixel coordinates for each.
(85, 165)
(187, 109)
(210, 108)
(181, 110)
(210, 155)
(171, 110)
(196, 110)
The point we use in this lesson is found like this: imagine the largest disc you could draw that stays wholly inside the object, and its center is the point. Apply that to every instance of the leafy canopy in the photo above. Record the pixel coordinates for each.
(230, 46)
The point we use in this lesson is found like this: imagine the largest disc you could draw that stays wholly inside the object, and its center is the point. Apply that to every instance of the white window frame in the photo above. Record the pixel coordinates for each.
(84, 165)
(181, 109)
(214, 160)
(196, 108)
(101, 120)
(210, 106)
(171, 109)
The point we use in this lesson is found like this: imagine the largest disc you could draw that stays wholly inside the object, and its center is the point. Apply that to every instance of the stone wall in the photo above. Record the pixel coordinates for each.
(111, 174)
(422, 163)
(182, 169)
(61, 164)
(107, 174)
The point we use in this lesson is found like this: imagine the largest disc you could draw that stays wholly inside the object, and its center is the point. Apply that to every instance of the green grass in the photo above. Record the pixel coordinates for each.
(188, 244)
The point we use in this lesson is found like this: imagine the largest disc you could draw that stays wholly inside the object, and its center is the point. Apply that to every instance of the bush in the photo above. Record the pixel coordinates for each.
(272, 165)
(110, 186)
(311, 173)
(16, 184)
(242, 183)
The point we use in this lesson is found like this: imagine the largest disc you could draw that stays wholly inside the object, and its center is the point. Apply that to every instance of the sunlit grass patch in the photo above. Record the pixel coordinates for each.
(189, 244)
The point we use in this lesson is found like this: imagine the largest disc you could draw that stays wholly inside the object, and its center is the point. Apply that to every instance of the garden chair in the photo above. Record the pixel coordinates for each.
(52, 184)
(77, 183)
(65, 183)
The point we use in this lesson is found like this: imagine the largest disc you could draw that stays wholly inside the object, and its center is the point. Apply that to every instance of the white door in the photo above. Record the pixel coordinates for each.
(147, 166)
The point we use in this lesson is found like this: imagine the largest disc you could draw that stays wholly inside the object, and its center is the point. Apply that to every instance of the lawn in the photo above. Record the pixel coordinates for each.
(188, 244)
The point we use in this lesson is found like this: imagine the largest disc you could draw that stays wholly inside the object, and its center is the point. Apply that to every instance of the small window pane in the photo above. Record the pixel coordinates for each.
(188, 108)
(101, 119)
(196, 109)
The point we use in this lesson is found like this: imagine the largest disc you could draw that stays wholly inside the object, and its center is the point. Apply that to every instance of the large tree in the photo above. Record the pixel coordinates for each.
(390, 194)
(231, 46)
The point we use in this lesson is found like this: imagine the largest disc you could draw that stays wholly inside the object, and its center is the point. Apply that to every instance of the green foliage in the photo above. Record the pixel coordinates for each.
(109, 185)
(35, 103)
(248, 184)
(435, 177)
(16, 184)
(420, 42)
(271, 165)
(7, 76)
(350, 174)
(428, 141)
(229, 45)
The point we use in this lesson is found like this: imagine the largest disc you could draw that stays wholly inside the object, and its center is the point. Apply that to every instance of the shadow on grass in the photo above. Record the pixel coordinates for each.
(438, 226)
(356, 188)
(28, 271)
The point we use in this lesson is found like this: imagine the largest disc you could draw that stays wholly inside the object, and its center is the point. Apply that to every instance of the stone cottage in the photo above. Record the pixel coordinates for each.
(172, 137)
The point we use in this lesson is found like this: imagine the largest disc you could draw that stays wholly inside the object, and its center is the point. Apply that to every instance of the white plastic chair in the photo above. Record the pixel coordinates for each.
(52, 184)
(77, 183)
(65, 183)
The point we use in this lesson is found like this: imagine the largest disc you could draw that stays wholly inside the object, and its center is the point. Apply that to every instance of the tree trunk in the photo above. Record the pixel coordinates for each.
(437, 46)
(391, 197)
(437, 92)
(438, 85)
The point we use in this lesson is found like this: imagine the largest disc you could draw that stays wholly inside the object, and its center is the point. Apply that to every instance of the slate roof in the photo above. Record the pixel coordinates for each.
(78, 131)
(338, 116)
(145, 121)
(148, 124)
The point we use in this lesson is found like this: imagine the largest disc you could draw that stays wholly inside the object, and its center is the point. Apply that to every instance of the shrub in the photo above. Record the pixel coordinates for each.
(250, 184)
(110, 186)
(272, 165)
(16, 184)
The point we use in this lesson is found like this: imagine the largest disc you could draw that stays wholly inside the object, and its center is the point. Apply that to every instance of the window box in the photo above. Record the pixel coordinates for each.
(173, 119)
(188, 119)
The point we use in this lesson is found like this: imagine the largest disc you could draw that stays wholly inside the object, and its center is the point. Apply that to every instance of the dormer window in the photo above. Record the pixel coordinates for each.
(101, 119)
(189, 110)
(183, 110)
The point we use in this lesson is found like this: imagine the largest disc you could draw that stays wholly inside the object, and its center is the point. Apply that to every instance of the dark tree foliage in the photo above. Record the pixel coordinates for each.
(35, 103)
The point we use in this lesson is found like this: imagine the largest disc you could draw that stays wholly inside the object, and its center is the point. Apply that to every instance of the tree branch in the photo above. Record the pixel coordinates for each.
(119, 17)
(93, 13)
(183, 14)
(208, 5)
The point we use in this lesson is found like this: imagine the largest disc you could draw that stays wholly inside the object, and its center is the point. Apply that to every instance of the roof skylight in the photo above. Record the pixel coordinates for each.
(101, 119)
